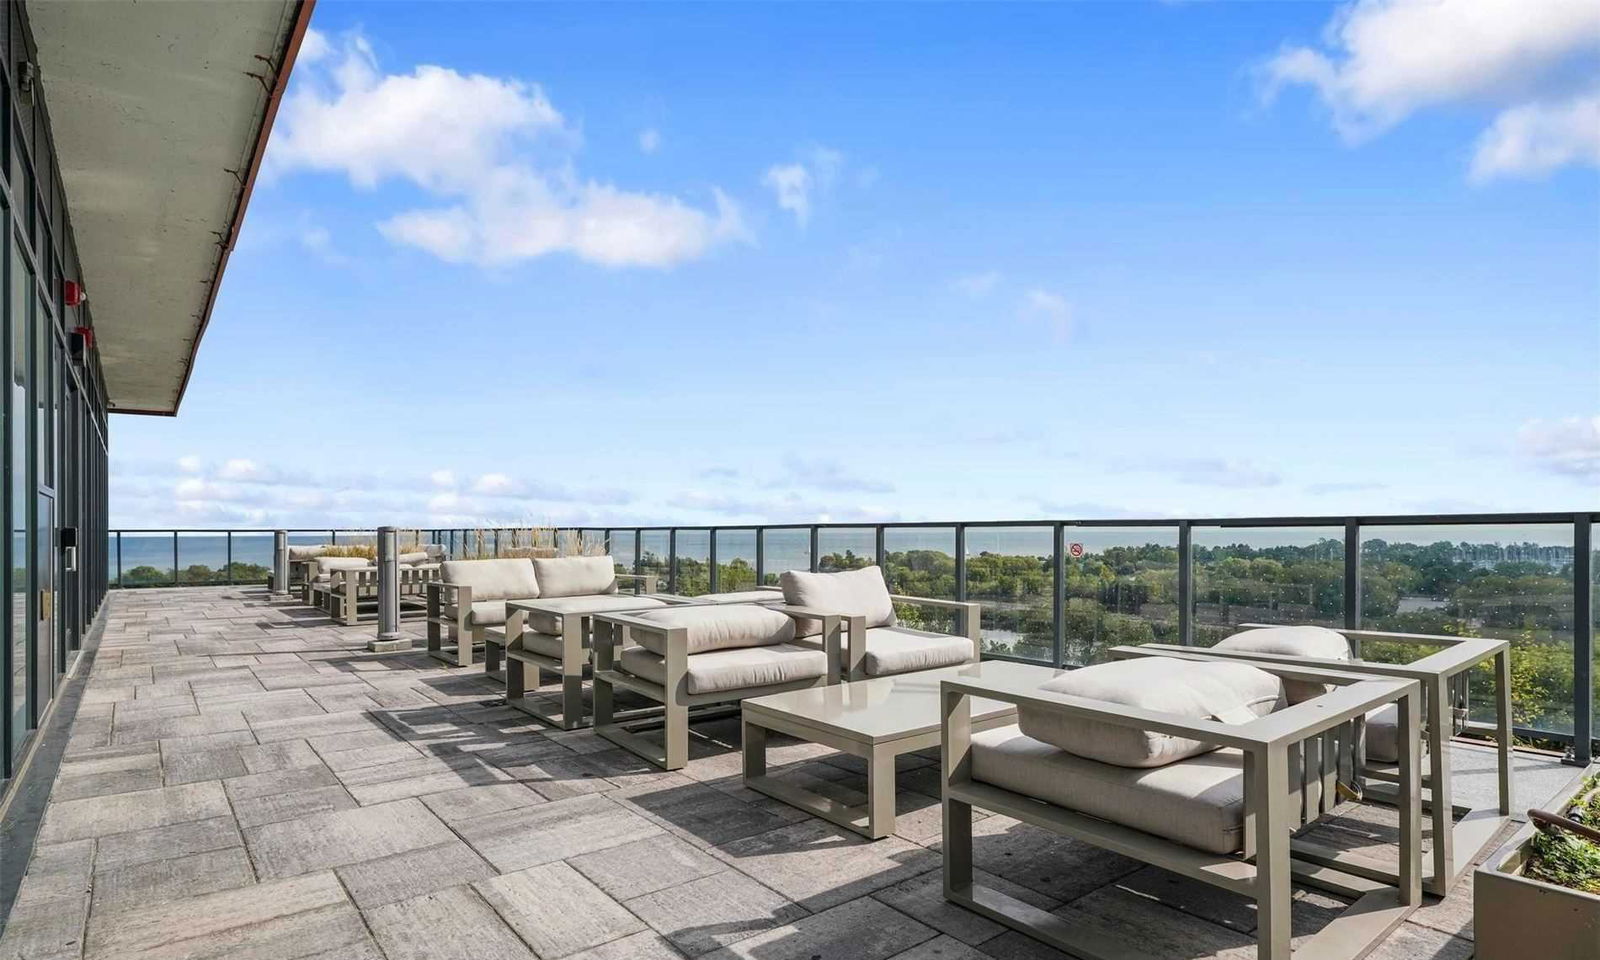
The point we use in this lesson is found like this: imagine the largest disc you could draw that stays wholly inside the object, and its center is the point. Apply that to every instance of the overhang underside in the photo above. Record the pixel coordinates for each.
(158, 110)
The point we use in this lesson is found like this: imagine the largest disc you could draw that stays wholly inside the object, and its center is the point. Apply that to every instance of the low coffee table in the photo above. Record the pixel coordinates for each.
(876, 720)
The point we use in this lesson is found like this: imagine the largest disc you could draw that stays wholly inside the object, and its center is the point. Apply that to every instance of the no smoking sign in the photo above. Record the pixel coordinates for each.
(1075, 549)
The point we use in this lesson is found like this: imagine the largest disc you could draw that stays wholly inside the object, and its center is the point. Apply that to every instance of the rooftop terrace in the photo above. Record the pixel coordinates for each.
(242, 779)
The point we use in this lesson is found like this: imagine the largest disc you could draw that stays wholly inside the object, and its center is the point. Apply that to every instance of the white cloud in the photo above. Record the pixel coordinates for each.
(497, 151)
(1206, 471)
(649, 140)
(824, 474)
(976, 285)
(1536, 138)
(442, 478)
(794, 184)
(1570, 447)
(1050, 309)
(189, 464)
(493, 483)
(239, 469)
(1383, 60)
(313, 47)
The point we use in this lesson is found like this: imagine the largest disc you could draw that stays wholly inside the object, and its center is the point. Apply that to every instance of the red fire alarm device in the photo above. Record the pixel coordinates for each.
(71, 292)
(87, 334)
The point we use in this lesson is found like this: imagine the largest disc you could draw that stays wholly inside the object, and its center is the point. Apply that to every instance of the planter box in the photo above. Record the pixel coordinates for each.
(1515, 918)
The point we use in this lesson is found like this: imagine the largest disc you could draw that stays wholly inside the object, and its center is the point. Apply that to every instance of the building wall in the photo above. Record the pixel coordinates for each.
(54, 443)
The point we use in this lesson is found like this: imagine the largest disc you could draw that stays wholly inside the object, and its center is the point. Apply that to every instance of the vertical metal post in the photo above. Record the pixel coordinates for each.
(1058, 602)
(814, 541)
(711, 552)
(389, 636)
(175, 580)
(672, 560)
(1352, 574)
(961, 562)
(119, 558)
(882, 558)
(638, 549)
(1583, 639)
(229, 567)
(1185, 583)
(497, 542)
(761, 555)
(280, 563)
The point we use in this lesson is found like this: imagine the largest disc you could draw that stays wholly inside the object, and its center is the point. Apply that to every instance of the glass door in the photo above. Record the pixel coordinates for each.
(45, 663)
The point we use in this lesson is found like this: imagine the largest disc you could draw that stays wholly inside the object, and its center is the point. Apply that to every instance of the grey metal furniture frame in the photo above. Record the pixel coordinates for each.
(1456, 843)
(611, 632)
(969, 624)
(864, 719)
(1321, 730)
(449, 605)
(573, 666)
(351, 596)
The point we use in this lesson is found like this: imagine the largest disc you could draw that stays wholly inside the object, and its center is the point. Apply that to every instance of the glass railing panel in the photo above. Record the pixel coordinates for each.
(692, 563)
(1512, 581)
(921, 562)
(252, 558)
(1011, 572)
(202, 558)
(1266, 575)
(111, 559)
(736, 560)
(623, 546)
(1120, 585)
(846, 548)
(654, 554)
(147, 560)
(785, 548)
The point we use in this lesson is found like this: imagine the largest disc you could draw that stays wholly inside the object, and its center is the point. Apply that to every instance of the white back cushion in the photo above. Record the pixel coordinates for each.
(851, 593)
(412, 559)
(327, 564)
(306, 553)
(575, 576)
(505, 579)
(720, 627)
(1300, 641)
(1195, 689)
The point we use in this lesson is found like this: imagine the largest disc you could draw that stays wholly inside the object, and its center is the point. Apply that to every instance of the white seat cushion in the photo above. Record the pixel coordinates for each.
(326, 565)
(413, 558)
(1198, 802)
(487, 613)
(1187, 688)
(892, 650)
(575, 576)
(851, 593)
(541, 622)
(719, 627)
(505, 579)
(1298, 641)
(721, 670)
(742, 596)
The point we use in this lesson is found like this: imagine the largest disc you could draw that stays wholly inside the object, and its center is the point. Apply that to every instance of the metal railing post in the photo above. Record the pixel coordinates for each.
(1185, 583)
(672, 560)
(229, 567)
(1352, 574)
(815, 540)
(711, 553)
(175, 580)
(880, 557)
(761, 556)
(1058, 600)
(1583, 639)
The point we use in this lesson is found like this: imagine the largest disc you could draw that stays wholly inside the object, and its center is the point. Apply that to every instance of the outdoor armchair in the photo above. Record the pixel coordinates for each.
(876, 643)
(1212, 791)
(1459, 833)
(693, 656)
(352, 594)
(314, 588)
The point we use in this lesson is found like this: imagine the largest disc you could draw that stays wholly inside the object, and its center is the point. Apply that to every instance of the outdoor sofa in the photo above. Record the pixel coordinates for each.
(1200, 767)
(689, 657)
(469, 604)
(876, 644)
(1442, 670)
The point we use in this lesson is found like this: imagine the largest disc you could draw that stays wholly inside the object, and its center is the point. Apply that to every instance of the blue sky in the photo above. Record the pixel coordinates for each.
(702, 263)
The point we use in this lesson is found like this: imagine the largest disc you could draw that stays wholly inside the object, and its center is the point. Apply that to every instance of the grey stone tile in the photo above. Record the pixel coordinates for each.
(171, 878)
(552, 831)
(1452, 915)
(177, 840)
(645, 866)
(861, 930)
(922, 897)
(195, 766)
(708, 815)
(108, 775)
(277, 920)
(169, 728)
(1411, 942)
(387, 750)
(1052, 865)
(373, 883)
(273, 808)
(702, 915)
(819, 866)
(52, 905)
(279, 781)
(557, 910)
(99, 816)
(452, 924)
(326, 840)
(465, 803)
(282, 755)
(941, 948)
(640, 946)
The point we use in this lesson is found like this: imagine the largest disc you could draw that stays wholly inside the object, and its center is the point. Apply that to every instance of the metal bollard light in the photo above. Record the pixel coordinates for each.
(389, 635)
(280, 563)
